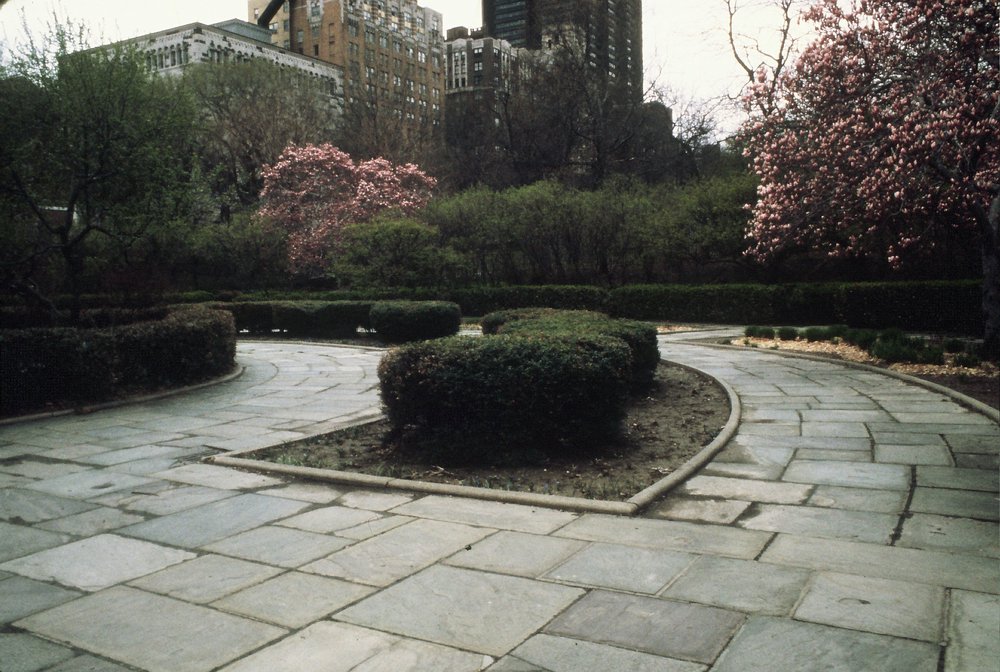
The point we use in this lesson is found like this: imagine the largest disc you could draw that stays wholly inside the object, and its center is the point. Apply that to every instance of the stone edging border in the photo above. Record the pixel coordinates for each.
(963, 399)
(118, 403)
(631, 507)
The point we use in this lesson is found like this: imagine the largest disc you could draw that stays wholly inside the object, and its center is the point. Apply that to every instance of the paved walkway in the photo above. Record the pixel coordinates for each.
(850, 525)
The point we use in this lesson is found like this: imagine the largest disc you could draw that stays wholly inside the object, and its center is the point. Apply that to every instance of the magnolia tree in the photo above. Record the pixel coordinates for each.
(886, 131)
(314, 191)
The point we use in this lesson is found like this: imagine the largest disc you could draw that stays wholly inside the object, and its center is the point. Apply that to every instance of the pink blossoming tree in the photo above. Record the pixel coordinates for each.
(886, 130)
(314, 191)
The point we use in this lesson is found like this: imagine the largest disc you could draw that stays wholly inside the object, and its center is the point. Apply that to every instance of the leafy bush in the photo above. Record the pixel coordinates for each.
(505, 398)
(816, 334)
(967, 359)
(484, 300)
(68, 365)
(541, 322)
(699, 303)
(322, 319)
(788, 333)
(862, 338)
(759, 332)
(405, 321)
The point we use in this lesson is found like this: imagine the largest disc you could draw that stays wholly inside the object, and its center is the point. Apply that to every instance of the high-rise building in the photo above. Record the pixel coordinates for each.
(610, 31)
(391, 51)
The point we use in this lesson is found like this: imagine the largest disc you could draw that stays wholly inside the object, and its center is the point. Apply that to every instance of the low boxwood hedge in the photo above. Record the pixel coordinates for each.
(638, 336)
(44, 366)
(501, 399)
(322, 319)
(405, 321)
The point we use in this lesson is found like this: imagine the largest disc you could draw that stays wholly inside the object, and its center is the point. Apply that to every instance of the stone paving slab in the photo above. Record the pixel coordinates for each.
(849, 474)
(151, 632)
(24, 653)
(545, 653)
(820, 522)
(211, 476)
(18, 540)
(205, 524)
(965, 503)
(341, 647)
(987, 480)
(279, 546)
(293, 600)
(516, 553)
(951, 570)
(87, 484)
(946, 533)
(767, 644)
(20, 597)
(443, 605)
(742, 585)
(93, 522)
(28, 506)
(97, 562)
(398, 553)
(859, 499)
(617, 567)
(660, 627)
(668, 535)
(515, 517)
(746, 490)
(972, 632)
(87, 664)
(206, 578)
(902, 609)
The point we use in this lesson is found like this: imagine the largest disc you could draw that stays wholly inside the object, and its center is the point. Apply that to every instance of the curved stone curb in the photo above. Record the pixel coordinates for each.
(654, 492)
(118, 403)
(631, 507)
(963, 399)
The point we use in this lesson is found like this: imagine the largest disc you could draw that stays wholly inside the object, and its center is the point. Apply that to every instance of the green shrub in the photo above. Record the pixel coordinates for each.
(341, 319)
(862, 338)
(893, 346)
(69, 365)
(699, 303)
(953, 345)
(540, 322)
(405, 321)
(485, 300)
(254, 317)
(930, 355)
(816, 334)
(788, 333)
(967, 359)
(506, 398)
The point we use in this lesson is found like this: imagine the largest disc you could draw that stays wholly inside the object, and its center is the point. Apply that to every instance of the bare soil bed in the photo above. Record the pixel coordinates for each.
(681, 413)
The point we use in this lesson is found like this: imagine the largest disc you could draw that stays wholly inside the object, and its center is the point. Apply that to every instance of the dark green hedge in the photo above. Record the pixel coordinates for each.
(953, 306)
(505, 398)
(405, 321)
(39, 367)
(322, 319)
(638, 336)
(484, 300)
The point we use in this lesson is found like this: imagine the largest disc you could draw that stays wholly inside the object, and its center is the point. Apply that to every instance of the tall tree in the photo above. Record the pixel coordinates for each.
(315, 191)
(886, 131)
(91, 145)
(249, 113)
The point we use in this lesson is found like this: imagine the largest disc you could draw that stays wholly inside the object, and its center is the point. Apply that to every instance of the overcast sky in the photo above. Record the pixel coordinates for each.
(684, 41)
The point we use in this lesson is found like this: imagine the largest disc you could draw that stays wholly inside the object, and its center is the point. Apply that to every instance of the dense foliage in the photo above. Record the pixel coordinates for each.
(43, 366)
(405, 321)
(505, 398)
(886, 133)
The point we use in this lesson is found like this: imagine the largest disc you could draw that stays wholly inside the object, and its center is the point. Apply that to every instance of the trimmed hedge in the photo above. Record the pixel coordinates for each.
(950, 306)
(67, 365)
(405, 321)
(326, 319)
(638, 336)
(485, 300)
(502, 399)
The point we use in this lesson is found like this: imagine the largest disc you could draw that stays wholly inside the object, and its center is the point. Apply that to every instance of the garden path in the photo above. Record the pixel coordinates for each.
(851, 524)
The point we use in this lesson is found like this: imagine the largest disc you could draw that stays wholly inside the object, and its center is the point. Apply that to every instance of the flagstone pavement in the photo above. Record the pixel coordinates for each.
(850, 525)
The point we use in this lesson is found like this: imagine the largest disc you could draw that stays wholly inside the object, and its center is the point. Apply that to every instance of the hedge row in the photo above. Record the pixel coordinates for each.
(539, 381)
(927, 305)
(62, 365)
(393, 321)
(933, 306)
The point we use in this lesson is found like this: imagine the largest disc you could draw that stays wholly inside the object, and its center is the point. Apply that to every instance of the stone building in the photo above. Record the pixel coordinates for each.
(391, 52)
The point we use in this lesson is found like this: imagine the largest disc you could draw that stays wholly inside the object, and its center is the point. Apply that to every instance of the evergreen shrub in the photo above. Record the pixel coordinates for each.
(62, 365)
(405, 321)
(506, 398)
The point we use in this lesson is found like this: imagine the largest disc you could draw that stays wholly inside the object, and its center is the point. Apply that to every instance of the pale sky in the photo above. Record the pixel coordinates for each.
(684, 41)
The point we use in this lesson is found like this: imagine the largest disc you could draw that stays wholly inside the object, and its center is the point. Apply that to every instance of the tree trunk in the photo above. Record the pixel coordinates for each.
(990, 236)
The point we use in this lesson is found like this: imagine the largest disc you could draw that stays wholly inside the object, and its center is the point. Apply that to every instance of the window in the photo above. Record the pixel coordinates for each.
(300, 37)
(353, 49)
(274, 27)
(352, 27)
(315, 50)
(421, 56)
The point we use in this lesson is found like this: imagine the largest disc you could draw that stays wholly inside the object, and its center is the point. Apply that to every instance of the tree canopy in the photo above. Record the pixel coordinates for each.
(885, 132)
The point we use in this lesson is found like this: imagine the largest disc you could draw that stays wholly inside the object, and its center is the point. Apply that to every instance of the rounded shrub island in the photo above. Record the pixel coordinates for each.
(559, 382)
